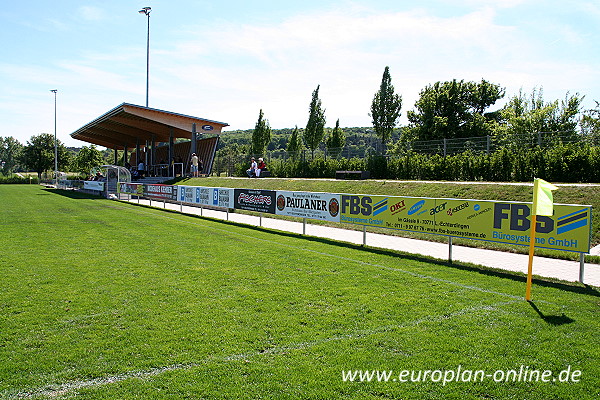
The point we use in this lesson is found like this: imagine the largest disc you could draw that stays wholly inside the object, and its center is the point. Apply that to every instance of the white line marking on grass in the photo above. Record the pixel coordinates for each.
(67, 388)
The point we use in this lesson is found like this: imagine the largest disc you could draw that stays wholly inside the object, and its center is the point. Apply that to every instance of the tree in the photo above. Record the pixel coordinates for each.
(336, 140)
(315, 127)
(454, 109)
(590, 123)
(533, 118)
(10, 152)
(87, 158)
(295, 144)
(385, 108)
(261, 136)
(38, 154)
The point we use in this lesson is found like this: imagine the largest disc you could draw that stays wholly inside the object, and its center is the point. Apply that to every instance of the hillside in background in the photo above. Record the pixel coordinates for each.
(357, 138)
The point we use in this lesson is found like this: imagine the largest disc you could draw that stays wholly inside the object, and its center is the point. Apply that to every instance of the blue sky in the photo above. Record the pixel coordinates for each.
(225, 60)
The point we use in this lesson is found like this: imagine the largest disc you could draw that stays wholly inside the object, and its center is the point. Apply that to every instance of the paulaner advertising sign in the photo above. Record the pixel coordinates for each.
(322, 206)
(504, 222)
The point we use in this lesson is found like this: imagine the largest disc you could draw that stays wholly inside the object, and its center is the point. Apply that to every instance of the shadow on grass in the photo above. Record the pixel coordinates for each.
(73, 194)
(552, 319)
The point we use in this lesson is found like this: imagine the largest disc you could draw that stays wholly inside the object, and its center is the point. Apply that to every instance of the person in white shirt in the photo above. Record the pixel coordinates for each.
(194, 165)
(252, 171)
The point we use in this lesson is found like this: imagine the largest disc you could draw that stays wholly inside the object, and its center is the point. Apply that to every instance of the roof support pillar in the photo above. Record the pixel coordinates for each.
(194, 139)
(138, 155)
(153, 151)
(124, 154)
(171, 144)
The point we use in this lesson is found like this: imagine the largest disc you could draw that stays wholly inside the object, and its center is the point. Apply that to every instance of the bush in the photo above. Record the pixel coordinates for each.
(561, 163)
(17, 180)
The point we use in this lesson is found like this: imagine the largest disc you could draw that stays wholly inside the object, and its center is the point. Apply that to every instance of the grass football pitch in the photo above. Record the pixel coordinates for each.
(103, 300)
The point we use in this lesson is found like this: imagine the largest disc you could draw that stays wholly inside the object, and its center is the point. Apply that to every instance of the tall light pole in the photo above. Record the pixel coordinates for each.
(55, 142)
(146, 10)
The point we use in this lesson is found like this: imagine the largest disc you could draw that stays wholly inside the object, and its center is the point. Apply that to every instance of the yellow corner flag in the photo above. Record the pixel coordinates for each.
(543, 204)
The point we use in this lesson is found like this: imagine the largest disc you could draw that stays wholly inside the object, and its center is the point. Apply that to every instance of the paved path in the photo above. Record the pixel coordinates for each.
(542, 266)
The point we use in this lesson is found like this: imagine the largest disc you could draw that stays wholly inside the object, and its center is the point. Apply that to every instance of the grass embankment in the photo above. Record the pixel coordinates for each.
(105, 300)
(585, 195)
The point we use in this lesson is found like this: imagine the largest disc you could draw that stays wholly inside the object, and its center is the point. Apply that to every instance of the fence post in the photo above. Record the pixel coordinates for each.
(364, 235)
(488, 144)
(445, 147)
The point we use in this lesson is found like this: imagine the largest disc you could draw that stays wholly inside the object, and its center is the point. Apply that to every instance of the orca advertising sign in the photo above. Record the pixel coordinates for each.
(255, 200)
(322, 206)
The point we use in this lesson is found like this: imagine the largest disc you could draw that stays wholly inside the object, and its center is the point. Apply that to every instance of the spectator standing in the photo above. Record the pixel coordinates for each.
(194, 165)
(141, 169)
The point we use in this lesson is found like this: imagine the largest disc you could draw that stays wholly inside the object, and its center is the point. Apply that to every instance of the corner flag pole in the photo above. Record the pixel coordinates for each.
(543, 204)
(531, 252)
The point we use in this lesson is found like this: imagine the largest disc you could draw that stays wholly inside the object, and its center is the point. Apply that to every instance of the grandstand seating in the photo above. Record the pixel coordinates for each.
(205, 150)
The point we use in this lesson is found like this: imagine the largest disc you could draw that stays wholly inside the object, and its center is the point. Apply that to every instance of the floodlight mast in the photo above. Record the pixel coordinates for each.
(146, 11)
(55, 142)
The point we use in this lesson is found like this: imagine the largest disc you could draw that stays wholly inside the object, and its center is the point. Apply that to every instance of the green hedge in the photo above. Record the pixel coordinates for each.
(562, 163)
(17, 180)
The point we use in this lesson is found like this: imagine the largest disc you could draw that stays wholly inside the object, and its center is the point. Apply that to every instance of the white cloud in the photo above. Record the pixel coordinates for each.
(91, 13)
(276, 67)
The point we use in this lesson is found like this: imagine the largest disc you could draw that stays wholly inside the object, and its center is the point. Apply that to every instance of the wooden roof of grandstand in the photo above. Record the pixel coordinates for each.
(127, 124)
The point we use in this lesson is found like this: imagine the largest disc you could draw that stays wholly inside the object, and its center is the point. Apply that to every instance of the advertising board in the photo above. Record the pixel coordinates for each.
(159, 191)
(255, 200)
(93, 185)
(131, 188)
(205, 196)
(569, 229)
(321, 206)
(504, 222)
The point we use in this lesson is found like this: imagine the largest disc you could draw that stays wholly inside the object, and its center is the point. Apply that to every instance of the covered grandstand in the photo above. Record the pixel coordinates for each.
(151, 134)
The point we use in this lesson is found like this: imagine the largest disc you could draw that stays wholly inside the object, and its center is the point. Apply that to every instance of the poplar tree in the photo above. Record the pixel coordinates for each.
(315, 127)
(261, 136)
(385, 108)
(336, 140)
(294, 145)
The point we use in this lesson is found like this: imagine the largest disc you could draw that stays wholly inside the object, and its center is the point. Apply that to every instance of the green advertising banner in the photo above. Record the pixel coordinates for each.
(505, 222)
